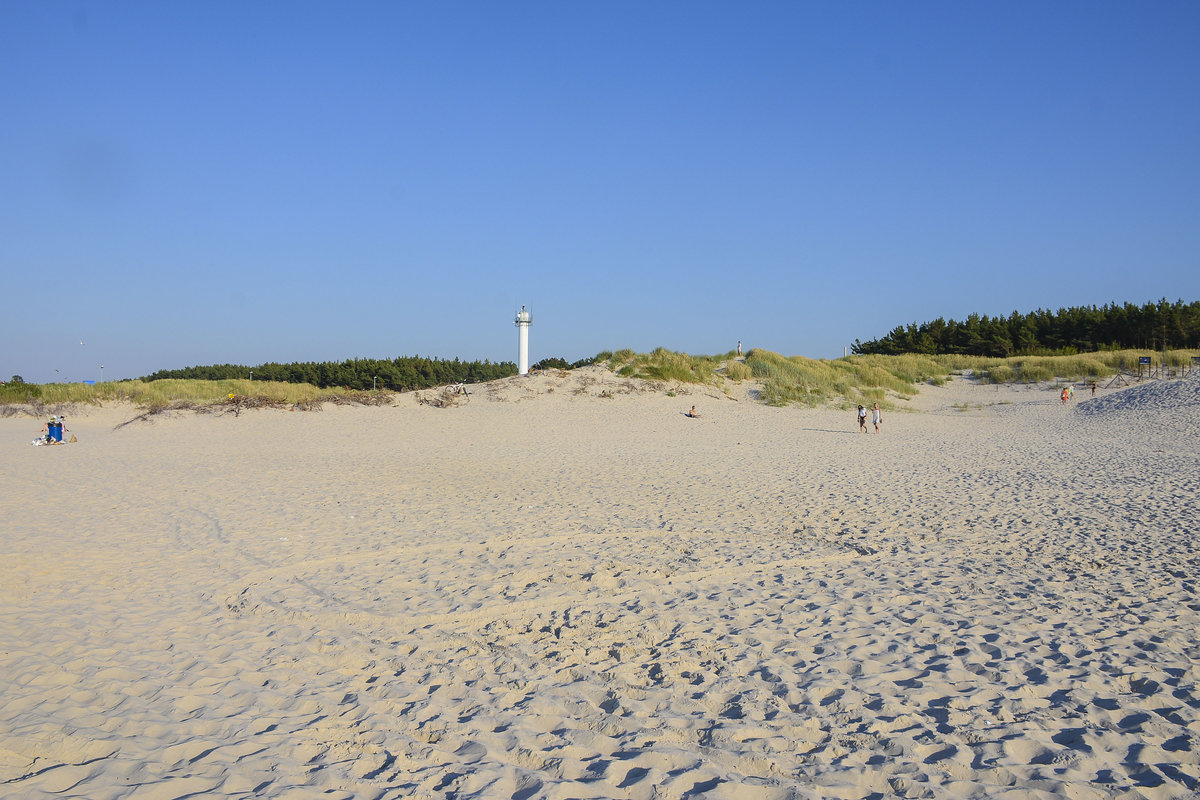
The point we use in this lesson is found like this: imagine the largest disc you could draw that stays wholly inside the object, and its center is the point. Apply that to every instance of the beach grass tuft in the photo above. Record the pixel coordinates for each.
(738, 371)
(665, 365)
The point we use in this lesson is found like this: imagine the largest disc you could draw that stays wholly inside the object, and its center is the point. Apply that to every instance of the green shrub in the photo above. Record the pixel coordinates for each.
(552, 363)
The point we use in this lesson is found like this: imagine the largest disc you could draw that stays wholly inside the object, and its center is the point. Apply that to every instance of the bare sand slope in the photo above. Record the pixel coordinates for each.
(568, 589)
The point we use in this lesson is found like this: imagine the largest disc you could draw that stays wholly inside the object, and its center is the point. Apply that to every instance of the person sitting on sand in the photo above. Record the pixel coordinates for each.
(862, 419)
(692, 413)
(52, 431)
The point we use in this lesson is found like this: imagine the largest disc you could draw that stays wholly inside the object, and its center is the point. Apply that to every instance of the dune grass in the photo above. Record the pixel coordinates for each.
(811, 382)
(885, 379)
(164, 394)
(783, 380)
(738, 371)
(867, 379)
(665, 365)
(1082, 366)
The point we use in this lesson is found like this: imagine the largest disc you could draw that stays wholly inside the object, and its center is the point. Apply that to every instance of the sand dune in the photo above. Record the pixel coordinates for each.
(568, 589)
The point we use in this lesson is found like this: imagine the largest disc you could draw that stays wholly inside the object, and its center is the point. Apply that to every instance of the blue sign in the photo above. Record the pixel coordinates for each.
(1144, 360)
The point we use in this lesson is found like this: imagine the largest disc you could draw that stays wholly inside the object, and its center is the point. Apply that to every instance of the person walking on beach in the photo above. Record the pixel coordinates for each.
(739, 348)
(1064, 396)
(862, 419)
(876, 417)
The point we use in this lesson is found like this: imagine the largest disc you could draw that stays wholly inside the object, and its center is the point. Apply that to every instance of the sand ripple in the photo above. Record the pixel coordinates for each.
(756, 604)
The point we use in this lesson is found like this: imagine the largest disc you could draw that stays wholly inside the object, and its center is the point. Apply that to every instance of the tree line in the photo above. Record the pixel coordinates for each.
(405, 373)
(1069, 330)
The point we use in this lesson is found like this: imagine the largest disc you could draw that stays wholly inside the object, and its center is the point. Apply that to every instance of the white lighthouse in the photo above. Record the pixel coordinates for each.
(523, 321)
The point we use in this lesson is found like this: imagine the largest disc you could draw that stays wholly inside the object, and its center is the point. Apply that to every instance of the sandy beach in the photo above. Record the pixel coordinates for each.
(568, 589)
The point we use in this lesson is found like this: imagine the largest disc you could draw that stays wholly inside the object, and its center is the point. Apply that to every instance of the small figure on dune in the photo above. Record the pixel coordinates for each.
(739, 348)
(876, 417)
(1093, 388)
(692, 413)
(862, 419)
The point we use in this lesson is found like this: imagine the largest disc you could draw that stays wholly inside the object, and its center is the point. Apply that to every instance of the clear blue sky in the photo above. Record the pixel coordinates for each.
(209, 182)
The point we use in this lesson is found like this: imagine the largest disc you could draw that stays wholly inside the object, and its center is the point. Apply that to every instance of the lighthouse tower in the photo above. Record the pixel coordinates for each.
(523, 321)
